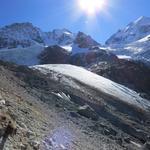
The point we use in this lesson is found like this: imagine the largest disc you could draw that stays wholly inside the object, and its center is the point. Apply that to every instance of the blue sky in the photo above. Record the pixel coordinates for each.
(51, 14)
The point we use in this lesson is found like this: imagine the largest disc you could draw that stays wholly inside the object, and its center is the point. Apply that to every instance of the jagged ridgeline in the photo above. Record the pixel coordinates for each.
(65, 91)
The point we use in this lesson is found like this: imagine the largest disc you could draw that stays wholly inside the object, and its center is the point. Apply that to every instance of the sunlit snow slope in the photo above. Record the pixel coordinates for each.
(22, 56)
(133, 41)
(103, 85)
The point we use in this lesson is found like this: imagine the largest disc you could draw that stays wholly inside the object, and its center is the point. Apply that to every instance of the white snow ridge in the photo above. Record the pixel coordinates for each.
(97, 82)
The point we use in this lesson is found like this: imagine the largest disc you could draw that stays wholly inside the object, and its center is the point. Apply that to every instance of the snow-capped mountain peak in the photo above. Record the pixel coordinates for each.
(60, 32)
(19, 34)
(26, 35)
(133, 41)
(61, 37)
(25, 38)
(132, 32)
(142, 21)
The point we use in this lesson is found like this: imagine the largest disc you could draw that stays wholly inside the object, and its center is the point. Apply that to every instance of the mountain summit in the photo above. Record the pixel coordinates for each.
(26, 35)
(22, 43)
(133, 41)
(134, 31)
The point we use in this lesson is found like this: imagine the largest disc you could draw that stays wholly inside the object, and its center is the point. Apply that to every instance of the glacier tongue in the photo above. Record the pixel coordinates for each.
(103, 85)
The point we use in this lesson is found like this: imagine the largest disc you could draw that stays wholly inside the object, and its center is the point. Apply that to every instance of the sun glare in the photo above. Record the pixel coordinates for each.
(91, 7)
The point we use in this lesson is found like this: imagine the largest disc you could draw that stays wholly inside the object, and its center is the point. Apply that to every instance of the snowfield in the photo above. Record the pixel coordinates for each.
(124, 57)
(103, 85)
(133, 40)
(22, 56)
(133, 32)
(138, 50)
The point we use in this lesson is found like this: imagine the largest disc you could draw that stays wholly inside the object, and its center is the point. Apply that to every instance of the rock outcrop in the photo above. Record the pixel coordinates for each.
(54, 55)
(93, 56)
(134, 75)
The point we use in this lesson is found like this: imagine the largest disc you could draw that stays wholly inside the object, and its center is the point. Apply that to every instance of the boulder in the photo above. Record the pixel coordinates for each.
(88, 112)
(2, 102)
(147, 146)
(35, 145)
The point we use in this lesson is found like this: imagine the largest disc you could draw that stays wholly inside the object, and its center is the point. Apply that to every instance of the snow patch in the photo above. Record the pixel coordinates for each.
(123, 57)
(67, 47)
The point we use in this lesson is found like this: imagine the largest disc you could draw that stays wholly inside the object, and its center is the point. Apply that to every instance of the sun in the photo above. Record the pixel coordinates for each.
(91, 7)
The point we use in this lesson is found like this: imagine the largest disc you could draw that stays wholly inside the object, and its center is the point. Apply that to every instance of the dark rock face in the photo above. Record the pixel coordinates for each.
(134, 75)
(85, 41)
(54, 55)
(57, 55)
(92, 56)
